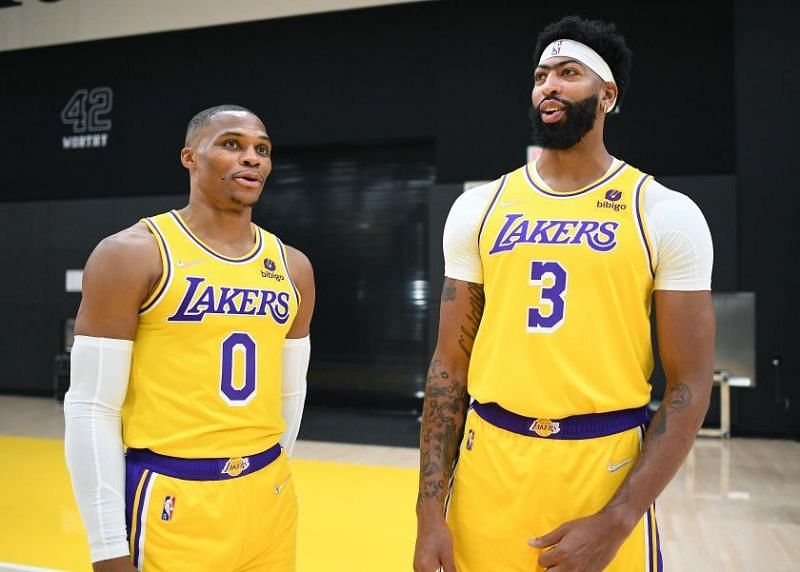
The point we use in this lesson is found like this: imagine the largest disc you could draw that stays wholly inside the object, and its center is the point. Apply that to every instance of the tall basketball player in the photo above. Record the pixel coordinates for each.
(549, 277)
(192, 347)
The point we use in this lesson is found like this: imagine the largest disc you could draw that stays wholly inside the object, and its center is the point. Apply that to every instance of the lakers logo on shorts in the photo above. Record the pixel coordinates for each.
(544, 427)
(235, 465)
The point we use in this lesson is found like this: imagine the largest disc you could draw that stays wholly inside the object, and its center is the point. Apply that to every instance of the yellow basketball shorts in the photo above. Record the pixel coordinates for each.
(221, 515)
(518, 478)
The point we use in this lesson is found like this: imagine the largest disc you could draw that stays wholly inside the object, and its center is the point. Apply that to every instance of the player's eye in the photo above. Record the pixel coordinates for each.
(230, 144)
(262, 150)
(539, 76)
(569, 72)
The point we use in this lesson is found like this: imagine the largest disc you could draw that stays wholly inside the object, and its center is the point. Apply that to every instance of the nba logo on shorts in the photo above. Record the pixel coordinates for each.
(470, 439)
(169, 506)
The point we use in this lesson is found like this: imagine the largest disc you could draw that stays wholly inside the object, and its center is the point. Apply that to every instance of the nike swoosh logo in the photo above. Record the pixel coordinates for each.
(187, 264)
(279, 486)
(506, 204)
(613, 467)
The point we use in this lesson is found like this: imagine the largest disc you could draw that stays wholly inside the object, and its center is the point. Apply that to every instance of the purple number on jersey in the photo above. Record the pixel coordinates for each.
(247, 345)
(552, 296)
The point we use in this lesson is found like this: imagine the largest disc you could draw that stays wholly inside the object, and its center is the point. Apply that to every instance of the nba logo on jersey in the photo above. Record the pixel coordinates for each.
(470, 439)
(169, 506)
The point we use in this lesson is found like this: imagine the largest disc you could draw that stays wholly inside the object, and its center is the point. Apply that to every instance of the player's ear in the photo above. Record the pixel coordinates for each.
(610, 93)
(187, 157)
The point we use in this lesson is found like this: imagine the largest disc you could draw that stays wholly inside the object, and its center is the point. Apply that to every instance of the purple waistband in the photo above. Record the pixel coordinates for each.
(202, 469)
(588, 426)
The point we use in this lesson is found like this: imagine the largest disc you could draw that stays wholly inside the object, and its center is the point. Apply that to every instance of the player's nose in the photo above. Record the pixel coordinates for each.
(551, 84)
(250, 157)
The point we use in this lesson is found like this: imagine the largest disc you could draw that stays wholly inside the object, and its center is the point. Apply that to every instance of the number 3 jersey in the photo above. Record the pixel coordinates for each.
(568, 280)
(206, 370)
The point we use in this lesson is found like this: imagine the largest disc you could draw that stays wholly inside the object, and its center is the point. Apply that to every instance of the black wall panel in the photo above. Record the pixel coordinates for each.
(337, 78)
(678, 117)
(708, 111)
(769, 206)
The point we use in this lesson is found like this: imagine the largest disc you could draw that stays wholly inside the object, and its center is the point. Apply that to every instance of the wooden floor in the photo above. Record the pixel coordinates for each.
(734, 505)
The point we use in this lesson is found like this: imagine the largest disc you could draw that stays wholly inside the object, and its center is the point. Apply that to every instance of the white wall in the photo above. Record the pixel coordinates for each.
(36, 23)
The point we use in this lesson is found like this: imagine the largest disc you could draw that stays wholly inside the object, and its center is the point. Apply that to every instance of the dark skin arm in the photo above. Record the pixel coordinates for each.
(303, 277)
(685, 324)
(443, 414)
(119, 275)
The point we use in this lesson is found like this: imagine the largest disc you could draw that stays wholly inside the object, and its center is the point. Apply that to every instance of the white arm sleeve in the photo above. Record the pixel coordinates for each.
(462, 258)
(93, 441)
(295, 358)
(683, 250)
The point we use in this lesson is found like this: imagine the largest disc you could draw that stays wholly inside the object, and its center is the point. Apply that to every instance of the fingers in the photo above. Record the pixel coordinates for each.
(448, 562)
(549, 559)
(442, 563)
(549, 539)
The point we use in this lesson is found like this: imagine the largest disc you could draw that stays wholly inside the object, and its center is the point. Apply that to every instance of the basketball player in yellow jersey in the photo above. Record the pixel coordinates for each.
(549, 276)
(191, 351)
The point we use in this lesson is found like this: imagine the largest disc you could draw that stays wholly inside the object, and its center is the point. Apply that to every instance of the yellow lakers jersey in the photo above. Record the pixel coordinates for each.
(568, 280)
(206, 368)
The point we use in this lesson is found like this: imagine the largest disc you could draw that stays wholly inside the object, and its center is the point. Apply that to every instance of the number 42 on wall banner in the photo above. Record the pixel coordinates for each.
(87, 114)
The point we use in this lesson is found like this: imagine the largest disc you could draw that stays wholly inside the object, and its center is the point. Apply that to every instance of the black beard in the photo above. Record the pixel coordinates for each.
(579, 120)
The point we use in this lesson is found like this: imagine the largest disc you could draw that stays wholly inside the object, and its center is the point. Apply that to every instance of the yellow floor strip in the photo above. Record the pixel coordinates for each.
(352, 517)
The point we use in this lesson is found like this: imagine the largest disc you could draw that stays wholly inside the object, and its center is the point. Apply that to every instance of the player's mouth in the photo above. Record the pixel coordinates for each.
(552, 111)
(249, 179)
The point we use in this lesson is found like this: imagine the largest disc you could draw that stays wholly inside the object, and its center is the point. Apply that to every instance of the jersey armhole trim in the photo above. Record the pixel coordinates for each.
(490, 208)
(282, 250)
(644, 233)
(166, 263)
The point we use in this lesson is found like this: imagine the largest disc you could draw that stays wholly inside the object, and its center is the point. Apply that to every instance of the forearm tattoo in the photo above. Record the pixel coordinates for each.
(446, 402)
(443, 415)
(675, 400)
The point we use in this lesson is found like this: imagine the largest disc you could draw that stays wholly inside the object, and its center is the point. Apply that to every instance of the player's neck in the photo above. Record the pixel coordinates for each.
(566, 170)
(229, 232)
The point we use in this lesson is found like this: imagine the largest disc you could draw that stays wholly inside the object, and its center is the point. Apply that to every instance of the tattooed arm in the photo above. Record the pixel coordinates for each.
(443, 415)
(685, 322)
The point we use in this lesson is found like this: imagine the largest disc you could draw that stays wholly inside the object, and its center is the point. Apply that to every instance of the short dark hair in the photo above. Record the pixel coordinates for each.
(601, 37)
(204, 117)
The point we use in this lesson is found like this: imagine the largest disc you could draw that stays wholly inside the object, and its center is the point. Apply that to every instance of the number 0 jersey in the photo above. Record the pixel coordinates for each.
(206, 370)
(568, 280)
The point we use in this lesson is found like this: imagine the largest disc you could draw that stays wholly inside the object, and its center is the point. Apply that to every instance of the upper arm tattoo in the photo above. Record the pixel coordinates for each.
(448, 290)
(469, 329)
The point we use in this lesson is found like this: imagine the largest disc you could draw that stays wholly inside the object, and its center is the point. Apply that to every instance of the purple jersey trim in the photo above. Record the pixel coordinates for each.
(659, 559)
(282, 250)
(159, 237)
(602, 181)
(639, 207)
(491, 207)
(200, 469)
(255, 253)
(588, 426)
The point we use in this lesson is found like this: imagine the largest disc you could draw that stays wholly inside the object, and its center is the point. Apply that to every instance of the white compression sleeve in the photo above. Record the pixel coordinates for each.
(295, 358)
(93, 441)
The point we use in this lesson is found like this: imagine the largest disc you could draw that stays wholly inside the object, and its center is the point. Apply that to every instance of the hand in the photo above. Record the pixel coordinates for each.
(434, 549)
(121, 564)
(583, 545)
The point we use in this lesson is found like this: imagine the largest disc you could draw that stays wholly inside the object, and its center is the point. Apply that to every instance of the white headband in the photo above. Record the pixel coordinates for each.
(584, 54)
